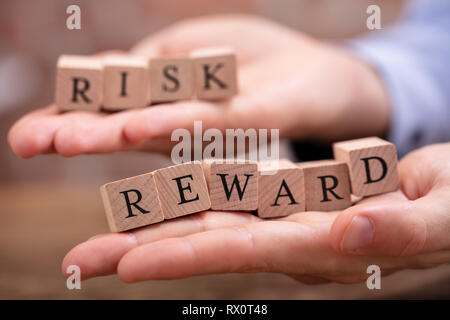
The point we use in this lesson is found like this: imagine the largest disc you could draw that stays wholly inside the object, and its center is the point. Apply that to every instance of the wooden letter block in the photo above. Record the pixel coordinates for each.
(282, 193)
(215, 73)
(131, 203)
(171, 79)
(327, 185)
(372, 163)
(182, 189)
(232, 186)
(125, 83)
(78, 83)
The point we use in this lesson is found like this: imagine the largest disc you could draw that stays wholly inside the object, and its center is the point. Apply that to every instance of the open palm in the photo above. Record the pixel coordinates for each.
(409, 230)
(286, 81)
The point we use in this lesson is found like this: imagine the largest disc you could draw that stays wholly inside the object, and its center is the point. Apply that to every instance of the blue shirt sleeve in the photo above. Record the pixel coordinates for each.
(413, 59)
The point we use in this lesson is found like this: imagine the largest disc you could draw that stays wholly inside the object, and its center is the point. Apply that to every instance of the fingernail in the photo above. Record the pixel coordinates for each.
(358, 235)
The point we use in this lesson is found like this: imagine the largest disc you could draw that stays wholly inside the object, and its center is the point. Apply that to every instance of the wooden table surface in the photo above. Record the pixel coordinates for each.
(40, 223)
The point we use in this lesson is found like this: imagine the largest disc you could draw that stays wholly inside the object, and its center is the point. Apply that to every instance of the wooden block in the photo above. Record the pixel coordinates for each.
(182, 189)
(131, 203)
(171, 79)
(372, 164)
(327, 185)
(78, 83)
(125, 82)
(214, 72)
(281, 193)
(232, 186)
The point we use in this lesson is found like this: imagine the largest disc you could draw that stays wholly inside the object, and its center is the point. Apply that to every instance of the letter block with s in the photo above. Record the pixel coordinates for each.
(131, 203)
(182, 189)
(171, 79)
(79, 83)
(372, 164)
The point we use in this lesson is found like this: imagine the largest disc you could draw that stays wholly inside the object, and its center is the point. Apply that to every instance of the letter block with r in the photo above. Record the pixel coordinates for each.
(327, 185)
(131, 203)
(79, 83)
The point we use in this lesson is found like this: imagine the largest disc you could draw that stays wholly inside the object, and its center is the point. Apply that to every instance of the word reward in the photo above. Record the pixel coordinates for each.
(363, 167)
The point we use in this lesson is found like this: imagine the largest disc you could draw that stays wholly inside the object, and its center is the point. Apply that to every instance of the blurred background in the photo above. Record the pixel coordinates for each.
(49, 204)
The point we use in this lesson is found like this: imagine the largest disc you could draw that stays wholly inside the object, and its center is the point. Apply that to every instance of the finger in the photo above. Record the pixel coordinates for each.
(161, 120)
(395, 228)
(269, 246)
(34, 132)
(85, 133)
(101, 254)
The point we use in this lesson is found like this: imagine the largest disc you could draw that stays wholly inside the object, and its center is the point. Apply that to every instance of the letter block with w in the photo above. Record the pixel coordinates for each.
(232, 186)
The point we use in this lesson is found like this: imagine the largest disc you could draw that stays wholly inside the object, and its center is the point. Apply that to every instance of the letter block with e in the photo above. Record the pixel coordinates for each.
(182, 189)
(131, 203)
(327, 185)
(372, 163)
(79, 83)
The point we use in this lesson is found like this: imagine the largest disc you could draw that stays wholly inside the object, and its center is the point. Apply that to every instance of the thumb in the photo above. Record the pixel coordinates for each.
(394, 228)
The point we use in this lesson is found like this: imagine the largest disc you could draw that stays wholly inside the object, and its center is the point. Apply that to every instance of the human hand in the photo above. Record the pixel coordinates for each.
(410, 230)
(287, 81)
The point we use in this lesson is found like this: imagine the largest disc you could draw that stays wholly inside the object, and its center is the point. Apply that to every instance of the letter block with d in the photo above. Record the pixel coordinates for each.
(372, 163)
(214, 72)
(182, 189)
(232, 185)
(281, 189)
(78, 83)
(132, 202)
(327, 185)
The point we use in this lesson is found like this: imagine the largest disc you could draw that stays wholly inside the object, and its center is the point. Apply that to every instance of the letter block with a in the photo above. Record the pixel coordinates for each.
(78, 83)
(327, 185)
(131, 203)
(171, 79)
(372, 163)
(125, 83)
(214, 72)
(182, 189)
(232, 186)
(281, 193)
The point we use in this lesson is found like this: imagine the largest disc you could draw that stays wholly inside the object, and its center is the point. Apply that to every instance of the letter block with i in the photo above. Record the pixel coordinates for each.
(214, 72)
(171, 79)
(281, 189)
(327, 185)
(372, 163)
(78, 83)
(232, 186)
(131, 203)
(182, 189)
(126, 82)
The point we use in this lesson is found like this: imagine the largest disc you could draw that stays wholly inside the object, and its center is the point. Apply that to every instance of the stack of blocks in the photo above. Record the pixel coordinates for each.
(363, 167)
(118, 82)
